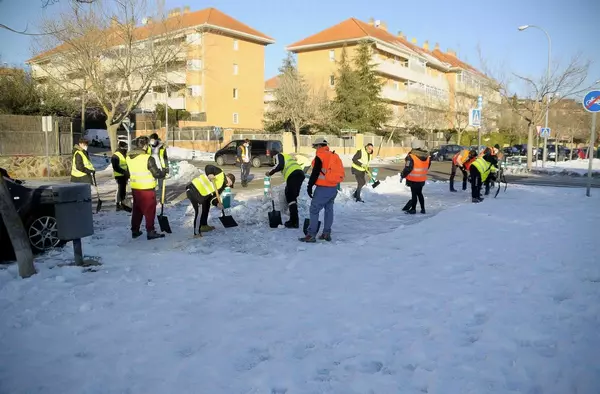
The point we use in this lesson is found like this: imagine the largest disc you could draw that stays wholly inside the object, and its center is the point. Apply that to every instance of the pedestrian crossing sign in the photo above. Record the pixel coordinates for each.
(475, 117)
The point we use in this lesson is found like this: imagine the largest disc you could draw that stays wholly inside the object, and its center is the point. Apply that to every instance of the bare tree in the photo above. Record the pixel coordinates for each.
(16, 232)
(100, 52)
(427, 116)
(565, 81)
(456, 114)
(295, 103)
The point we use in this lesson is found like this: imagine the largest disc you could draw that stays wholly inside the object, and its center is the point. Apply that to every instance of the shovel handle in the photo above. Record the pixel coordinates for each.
(273, 203)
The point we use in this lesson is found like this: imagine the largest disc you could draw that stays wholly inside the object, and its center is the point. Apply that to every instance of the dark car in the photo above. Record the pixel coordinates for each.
(445, 152)
(36, 209)
(259, 149)
(563, 153)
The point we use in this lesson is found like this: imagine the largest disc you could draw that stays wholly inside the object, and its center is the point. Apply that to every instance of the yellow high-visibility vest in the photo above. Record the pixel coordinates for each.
(141, 177)
(205, 186)
(289, 166)
(365, 159)
(86, 163)
(122, 164)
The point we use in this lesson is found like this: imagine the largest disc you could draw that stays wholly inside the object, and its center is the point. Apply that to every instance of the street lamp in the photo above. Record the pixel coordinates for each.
(545, 153)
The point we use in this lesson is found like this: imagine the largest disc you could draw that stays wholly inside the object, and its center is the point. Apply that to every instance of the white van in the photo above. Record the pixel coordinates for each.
(97, 137)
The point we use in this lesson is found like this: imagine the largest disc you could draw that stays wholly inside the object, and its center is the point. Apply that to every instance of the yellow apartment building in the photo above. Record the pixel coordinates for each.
(218, 74)
(415, 78)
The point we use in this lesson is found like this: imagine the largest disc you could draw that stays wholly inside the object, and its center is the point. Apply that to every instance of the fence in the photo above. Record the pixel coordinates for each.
(278, 137)
(23, 135)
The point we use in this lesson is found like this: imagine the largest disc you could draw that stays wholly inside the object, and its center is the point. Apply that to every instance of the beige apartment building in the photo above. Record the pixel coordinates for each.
(217, 75)
(418, 81)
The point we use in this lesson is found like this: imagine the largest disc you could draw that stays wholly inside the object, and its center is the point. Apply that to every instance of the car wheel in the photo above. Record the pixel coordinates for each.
(256, 162)
(101, 144)
(43, 233)
(220, 161)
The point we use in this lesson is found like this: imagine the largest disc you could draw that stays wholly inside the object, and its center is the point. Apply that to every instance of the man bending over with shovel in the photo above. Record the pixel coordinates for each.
(201, 193)
(293, 174)
(143, 172)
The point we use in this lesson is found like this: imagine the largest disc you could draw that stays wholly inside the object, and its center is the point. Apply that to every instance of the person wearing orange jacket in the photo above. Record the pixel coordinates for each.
(327, 174)
(415, 171)
(458, 162)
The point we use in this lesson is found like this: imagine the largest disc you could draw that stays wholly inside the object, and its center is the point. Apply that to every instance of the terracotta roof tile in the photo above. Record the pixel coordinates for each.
(208, 16)
(272, 83)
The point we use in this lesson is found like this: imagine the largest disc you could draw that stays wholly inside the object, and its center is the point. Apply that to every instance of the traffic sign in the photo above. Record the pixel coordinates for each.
(480, 101)
(591, 101)
(538, 128)
(545, 132)
(475, 117)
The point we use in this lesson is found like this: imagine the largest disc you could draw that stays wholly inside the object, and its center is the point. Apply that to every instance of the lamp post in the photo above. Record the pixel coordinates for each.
(545, 153)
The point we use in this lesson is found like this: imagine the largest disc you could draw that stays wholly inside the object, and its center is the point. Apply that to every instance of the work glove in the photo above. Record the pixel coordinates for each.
(167, 171)
(309, 190)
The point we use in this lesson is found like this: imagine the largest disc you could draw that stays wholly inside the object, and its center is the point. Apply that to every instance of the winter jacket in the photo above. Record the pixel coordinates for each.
(279, 164)
(158, 151)
(116, 162)
(356, 160)
(152, 167)
(409, 163)
(79, 165)
(317, 167)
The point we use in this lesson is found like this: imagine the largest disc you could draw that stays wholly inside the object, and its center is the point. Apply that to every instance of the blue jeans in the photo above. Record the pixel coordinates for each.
(323, 197)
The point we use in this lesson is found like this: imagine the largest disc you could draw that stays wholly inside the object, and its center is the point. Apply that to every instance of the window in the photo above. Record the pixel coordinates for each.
(236, 117)
(332, 55)
(235, 45)
(195, 91)
(235, 93)
(332, 80)
(235, 69)
(194, 64)
(396, 85)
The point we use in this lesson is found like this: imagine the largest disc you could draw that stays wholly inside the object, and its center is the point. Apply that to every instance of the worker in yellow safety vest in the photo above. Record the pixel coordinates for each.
(481, 169)
(121, 173)
(202, 193)
(82, 169)
(293, 175)
(360, 168)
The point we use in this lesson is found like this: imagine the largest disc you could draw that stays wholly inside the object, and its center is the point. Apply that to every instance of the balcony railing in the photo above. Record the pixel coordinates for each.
(149, 102)
(399, 71)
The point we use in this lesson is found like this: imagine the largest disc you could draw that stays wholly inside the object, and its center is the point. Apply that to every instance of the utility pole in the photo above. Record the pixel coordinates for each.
(166, 103)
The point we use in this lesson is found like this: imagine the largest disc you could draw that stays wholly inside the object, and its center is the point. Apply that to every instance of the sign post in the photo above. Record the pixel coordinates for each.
(47, 128)
(591, 103)
(480, 107)
(475, 121)
(346, 134)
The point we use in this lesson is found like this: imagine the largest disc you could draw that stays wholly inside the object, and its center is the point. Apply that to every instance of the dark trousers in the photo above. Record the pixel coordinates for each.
(293, 186)
(121, 189)
(361, 181)
(198, 202)
(245, 169)
(453, 174)
(144, 206)
(475, 182)
(416, 190)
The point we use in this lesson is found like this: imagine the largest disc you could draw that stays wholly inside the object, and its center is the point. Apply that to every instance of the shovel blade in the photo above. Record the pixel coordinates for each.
(126, 208)
(375, 184)
(275, 219)
(307, 224)
(163, 222)
(227, 221)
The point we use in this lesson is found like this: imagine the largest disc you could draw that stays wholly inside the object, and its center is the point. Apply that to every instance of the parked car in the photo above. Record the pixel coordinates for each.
(36, 209)
(97, 137)
(445, 152)
(563, 153)
(259, 149)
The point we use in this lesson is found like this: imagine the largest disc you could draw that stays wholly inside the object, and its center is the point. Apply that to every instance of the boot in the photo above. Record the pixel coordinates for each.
(308, 239)
(325, 237)
(411, 211)
(423, 211)
(205, 227)
(452, 189)
(154, 235)
(135, 234)
(294, 221)
(119, 207)
(475, 200)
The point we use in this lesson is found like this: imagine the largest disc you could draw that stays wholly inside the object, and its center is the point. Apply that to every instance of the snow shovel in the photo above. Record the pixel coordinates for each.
(99, 203)
(375, 183)
(274, 217)
(307, 224)
(163, 221)
(226, 220)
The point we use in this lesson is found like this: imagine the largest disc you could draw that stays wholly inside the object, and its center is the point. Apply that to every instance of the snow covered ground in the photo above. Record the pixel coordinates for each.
(176, 153)
(497, 297)
(571, 167)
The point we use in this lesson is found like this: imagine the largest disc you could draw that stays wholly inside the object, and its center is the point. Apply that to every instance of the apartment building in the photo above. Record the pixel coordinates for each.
(217, 75)
(417, 80)
(270, 85)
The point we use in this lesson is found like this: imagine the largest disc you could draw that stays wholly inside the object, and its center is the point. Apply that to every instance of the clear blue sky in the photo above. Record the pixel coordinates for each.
(460, 25)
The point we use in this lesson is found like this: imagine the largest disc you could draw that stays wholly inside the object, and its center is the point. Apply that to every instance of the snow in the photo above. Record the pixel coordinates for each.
(571, 167)
(176, 153)
(347, 160)
(101, 162)
(497, 297)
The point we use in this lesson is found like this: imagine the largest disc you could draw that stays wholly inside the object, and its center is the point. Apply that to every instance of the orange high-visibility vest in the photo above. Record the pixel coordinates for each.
(420, 169)
(460, 157)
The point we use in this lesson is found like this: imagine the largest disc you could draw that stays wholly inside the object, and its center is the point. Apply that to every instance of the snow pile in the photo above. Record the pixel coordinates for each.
(347, 160)
(576, 167)
(176, 153)
(472, 298)
(186, 173)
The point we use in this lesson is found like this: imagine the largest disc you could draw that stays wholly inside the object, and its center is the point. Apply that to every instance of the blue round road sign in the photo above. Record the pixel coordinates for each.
(591, 101)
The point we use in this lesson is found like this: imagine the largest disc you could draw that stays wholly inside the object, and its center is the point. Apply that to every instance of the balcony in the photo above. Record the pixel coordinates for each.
(411, 74)
(414, 96)
(151, 99)
(397, 95)
(468, 89)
